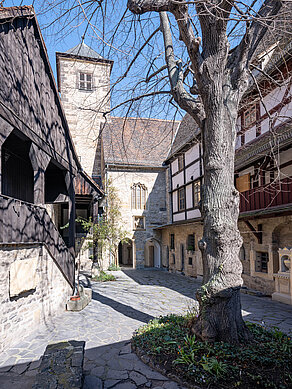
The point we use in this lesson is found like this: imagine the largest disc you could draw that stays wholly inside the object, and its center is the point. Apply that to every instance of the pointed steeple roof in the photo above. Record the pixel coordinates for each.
(82, 50)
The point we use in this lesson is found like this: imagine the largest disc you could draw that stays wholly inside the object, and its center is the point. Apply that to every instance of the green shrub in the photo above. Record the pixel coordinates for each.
(103, 277)
(266, 362)
(113, 268)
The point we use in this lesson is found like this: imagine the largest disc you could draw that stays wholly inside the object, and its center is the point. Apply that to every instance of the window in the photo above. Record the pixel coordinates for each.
(173, 259)
(191, 242)
(250, 116)
(261, 264)
(181, 199)
(196, 193)
(171, 241)
(190, 261)
(180, 162)
(85, 81)
(139, 196)
(139, 223)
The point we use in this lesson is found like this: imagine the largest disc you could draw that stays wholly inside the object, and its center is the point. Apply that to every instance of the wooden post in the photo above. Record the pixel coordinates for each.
(69, 180)
(39, 161)
(95, 220)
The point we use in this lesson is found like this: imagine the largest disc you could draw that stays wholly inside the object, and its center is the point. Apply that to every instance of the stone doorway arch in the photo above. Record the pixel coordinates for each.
(126, 253)
(152, 253)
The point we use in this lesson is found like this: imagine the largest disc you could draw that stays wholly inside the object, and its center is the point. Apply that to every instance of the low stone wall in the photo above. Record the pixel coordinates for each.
(32, 288)
(263, 285)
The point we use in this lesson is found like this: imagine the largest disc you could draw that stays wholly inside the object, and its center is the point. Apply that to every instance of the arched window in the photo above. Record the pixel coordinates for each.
(139, 196)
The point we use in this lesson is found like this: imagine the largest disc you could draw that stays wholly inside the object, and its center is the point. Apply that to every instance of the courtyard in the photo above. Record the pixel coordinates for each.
(106, 325)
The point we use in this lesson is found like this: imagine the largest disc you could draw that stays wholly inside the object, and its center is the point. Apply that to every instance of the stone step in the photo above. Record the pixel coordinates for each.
(61, 366)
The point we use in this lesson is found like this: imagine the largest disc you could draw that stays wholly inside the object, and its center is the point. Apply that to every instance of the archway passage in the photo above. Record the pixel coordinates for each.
(17, 172)
(126, 254)
(152, 254)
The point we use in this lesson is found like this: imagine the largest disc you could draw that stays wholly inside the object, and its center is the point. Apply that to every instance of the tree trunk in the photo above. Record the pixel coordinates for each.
(220, 317)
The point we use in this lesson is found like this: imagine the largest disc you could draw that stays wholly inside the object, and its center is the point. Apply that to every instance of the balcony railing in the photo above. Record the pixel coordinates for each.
(268, 196)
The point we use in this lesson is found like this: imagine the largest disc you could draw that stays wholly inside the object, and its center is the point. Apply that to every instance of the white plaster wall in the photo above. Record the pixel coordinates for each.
(24, 314)
(178, 180)
(174, 201)
(238, 142)
(192, 154)
(174, 166)
(194, 213)
(250, 134)
(189, 196)
(273, 98)
(84, 109)
(179, 216)
(193, 172)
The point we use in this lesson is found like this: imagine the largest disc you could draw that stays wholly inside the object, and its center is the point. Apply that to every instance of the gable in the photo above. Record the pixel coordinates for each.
(28, 94)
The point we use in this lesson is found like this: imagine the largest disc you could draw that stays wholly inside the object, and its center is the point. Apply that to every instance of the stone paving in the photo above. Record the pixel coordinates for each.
(107, 324)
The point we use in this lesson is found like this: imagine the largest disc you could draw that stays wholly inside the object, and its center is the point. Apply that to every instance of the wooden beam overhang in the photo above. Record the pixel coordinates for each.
(257, 233)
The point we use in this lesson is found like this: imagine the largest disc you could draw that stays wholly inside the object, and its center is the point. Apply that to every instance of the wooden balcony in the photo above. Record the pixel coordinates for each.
(268, 196)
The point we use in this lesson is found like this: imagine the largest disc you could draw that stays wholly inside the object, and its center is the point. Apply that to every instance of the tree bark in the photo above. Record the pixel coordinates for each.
(221, 79)
(220, 317)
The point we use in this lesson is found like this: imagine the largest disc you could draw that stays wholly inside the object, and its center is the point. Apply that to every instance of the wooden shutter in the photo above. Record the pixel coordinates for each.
(243, 183)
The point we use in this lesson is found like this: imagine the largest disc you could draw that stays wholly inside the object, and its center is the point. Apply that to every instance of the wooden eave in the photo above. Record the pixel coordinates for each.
(10, 13)
(246, 156)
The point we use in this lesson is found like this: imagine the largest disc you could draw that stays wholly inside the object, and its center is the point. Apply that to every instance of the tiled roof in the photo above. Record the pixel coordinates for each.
(137, 141)
(82, 50)
(187, 131)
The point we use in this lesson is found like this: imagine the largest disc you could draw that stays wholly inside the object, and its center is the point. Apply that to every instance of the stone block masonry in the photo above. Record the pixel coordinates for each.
(32, 289)
(61, 366)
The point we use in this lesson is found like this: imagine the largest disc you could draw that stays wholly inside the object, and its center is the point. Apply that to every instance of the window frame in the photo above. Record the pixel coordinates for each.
(259, 268)
(180, 162)
(196, 193)
(191, 242)
(251, 114)
(172, 242)
(87, 81)
(138, 196)
(181, 190)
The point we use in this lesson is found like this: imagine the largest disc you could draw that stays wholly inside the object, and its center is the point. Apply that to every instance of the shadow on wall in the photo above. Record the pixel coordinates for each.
(154, 215)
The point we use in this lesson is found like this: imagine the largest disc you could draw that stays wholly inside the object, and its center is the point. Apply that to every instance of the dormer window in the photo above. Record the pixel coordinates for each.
(250, 115)
(180, 162)
(85, 81)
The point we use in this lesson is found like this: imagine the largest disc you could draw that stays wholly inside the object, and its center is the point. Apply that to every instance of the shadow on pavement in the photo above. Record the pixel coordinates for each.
(124, 309)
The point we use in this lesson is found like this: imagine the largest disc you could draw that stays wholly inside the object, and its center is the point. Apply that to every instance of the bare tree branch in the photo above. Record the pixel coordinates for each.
(180, 95)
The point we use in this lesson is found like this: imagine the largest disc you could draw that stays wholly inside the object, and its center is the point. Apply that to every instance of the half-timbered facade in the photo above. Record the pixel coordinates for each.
(38, 168)
(263, 176)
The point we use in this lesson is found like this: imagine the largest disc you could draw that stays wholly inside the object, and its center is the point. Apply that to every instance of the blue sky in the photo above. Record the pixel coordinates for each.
(68, 30)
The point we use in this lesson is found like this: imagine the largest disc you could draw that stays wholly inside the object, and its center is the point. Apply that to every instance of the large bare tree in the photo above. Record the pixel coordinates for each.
(219, 40)
(221, 78)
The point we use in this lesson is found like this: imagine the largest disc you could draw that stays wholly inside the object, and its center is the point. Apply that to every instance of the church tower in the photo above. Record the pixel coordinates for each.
(84, 83)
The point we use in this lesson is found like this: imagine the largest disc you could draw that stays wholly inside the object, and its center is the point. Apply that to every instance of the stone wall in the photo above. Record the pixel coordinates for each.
(276, 233)
(180, 259)
(155, 213)
(32, 289)
(84, 109)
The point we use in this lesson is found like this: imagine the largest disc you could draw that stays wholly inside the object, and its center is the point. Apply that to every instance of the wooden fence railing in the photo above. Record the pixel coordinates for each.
(25, 223)
(267, 196)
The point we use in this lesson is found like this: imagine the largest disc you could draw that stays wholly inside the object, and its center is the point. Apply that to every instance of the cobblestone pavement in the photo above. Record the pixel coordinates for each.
(107, 324)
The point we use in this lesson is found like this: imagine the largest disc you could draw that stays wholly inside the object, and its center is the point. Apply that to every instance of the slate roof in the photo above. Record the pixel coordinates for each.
(82, 50)
(137, 141)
